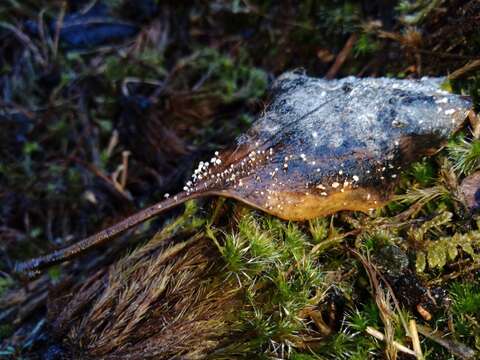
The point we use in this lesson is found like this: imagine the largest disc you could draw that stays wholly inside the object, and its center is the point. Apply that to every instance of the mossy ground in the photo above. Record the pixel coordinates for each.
(88, 136)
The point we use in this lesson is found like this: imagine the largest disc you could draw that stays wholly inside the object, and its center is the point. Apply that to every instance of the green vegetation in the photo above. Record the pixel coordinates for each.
(465, 155)
(89, 135)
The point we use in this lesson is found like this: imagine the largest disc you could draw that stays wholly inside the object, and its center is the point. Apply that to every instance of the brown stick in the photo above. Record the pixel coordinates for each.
(457, 348)
(32, 267)
(464, 70)
(378, 335)
(415, 340)
(341, 57)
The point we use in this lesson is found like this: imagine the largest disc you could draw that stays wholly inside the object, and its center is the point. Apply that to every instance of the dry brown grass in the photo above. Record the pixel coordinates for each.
(162, 300)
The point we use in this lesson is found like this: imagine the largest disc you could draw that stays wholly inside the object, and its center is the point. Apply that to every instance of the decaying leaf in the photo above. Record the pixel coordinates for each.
(470, 192)
(319, 147)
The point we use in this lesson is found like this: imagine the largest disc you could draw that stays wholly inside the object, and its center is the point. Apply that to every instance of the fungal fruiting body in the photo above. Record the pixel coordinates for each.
(319, 147)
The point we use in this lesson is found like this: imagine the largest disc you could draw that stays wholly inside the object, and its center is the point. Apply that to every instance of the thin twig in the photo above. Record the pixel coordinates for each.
(378, 335)
(58, 29)
(474, 120)
(415, 339)
(41, 33)
(464, 70)
(26, 40)
(124, 175)
(97, 172)
(457, 348)
(342, 57)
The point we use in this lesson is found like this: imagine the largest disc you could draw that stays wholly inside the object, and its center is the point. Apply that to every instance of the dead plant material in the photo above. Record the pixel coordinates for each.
(155, 303)
(378, 335)
(465, 70)
(415, 339)
(383, 298)
(453, 346)
(342, 57)
(470, 192)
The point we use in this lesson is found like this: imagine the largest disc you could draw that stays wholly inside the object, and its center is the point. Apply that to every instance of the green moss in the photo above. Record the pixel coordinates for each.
(424, 173)
(303, 356)
(55, 273)
(5, 331)
(147, 64)
(295, 242)
(445, 249)
(466, 298)
(231, 79)
(365, 45)
(342, 18)
(369, 315)
(466, 312)
(219, 56)
(414, 12)
(270, 259)
(465, 155)
(319, 229)
(5, 284)
(373, 241)
(349, 346)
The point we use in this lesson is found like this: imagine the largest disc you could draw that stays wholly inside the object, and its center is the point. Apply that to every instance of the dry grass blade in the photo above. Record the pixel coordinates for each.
(378, 335)
(26, 40)
(415, 339)
(154, 306)
(382, 299)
